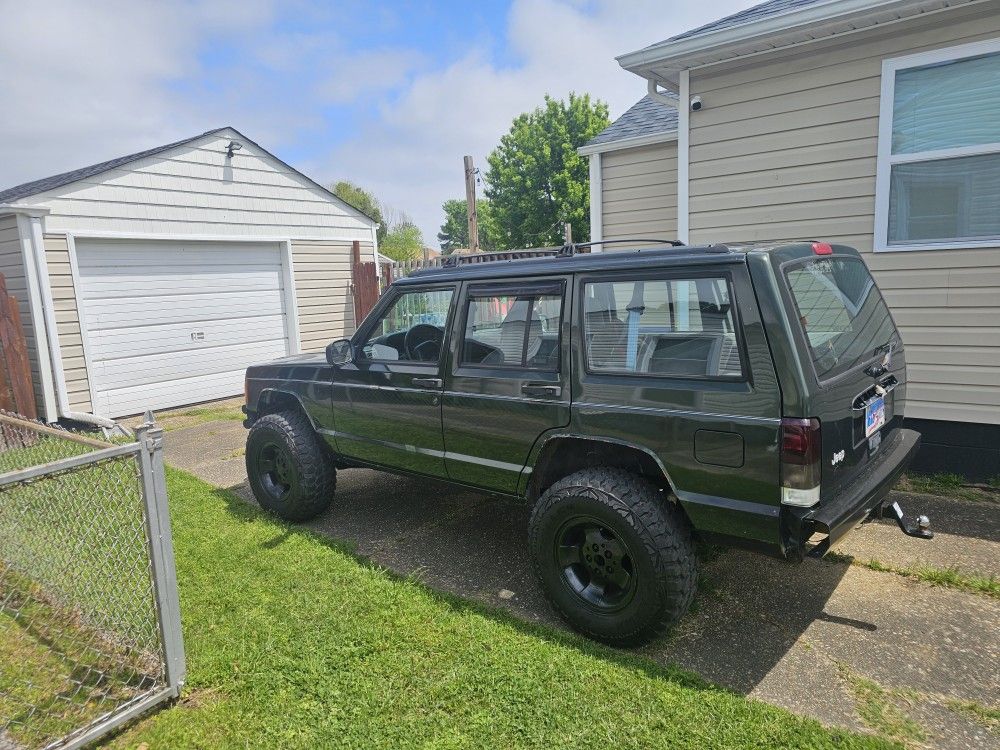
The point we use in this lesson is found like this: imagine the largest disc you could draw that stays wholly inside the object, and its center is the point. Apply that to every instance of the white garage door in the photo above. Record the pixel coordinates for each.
(173, 323)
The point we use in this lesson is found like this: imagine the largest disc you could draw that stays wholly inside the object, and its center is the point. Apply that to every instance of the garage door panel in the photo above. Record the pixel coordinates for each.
(155, 309)
(111, 286)
(172, 254)
(154, 368)
(170, 393)
(118, 343)
(174, 323)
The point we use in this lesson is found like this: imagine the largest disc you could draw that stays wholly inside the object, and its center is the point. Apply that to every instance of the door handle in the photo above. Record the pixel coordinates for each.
(428, 382)
(540, 389)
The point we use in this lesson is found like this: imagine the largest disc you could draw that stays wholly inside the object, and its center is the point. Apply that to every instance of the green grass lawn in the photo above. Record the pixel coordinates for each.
(294, 642)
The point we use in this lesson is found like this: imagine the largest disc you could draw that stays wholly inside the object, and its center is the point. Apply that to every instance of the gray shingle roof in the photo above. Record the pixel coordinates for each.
(645, 117)
(35, 187)
(756, 13)
(50, 183)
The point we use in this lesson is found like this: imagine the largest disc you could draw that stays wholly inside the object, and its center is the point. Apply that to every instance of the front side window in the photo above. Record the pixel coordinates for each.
(670, 327)
(513, 328)
(411, 329)
(939, 160)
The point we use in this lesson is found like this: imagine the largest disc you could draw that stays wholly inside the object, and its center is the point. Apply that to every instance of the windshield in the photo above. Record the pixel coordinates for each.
(841, 312)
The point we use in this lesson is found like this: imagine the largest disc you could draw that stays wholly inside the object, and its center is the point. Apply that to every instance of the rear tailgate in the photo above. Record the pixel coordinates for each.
(852, 354)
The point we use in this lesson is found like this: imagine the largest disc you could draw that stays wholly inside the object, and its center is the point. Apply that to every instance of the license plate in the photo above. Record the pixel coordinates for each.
(874, 415)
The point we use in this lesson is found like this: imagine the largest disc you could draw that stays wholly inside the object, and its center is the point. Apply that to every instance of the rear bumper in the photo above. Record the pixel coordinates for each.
(858, 502)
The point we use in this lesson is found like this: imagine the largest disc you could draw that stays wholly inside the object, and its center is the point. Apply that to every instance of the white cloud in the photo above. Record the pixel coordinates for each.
(411, 154)
(82, 82)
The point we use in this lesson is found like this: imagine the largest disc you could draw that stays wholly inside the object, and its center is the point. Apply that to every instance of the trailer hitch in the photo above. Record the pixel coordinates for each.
(922, 529)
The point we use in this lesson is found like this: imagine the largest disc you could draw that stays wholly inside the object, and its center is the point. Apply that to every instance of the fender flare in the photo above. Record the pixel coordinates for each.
(536, 460)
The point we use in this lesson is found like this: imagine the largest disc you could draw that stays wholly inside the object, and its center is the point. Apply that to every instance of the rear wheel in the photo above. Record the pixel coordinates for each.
(290, 471)
(615, 559)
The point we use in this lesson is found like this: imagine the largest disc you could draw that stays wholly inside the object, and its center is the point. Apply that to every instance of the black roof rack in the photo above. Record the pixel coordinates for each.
(571, 248)
(566, 251)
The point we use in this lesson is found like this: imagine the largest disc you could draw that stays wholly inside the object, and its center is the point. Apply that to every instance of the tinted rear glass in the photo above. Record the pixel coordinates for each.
(841, 313)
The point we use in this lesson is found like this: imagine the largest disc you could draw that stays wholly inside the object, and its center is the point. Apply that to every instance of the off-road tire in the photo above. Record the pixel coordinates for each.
(655, 532)
(312, 477)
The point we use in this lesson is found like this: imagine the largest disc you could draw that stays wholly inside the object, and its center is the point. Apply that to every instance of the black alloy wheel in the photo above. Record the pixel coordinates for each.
(276, 470)
(596, 565)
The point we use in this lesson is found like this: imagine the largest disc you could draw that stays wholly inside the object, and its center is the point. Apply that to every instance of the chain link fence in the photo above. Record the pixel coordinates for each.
(89, 621)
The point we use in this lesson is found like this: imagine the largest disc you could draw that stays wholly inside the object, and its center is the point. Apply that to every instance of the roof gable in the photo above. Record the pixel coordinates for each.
(54, 182)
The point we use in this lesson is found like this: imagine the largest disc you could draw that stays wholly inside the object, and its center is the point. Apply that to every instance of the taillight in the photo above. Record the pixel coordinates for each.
(822, 248)
(800, 461)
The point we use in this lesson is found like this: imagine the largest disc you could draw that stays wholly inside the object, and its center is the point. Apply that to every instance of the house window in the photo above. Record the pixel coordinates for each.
(938, 182)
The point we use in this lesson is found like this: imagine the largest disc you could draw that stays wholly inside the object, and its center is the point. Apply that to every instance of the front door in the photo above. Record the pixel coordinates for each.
(507, 381)
(387, 403)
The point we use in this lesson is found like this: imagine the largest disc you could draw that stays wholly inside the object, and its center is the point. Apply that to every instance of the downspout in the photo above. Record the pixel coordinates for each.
(55, 351)
(596, 203)
(24, 231)
(681, 103)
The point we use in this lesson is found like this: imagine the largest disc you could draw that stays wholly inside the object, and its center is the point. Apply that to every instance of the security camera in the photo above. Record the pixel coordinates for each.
(695, 103)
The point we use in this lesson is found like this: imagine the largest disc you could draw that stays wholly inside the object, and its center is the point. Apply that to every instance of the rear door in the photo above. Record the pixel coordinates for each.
(851, 346)
(507, 382)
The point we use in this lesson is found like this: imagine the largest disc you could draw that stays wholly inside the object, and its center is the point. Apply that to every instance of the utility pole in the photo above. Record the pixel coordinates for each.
(470, 203)
(568, 233)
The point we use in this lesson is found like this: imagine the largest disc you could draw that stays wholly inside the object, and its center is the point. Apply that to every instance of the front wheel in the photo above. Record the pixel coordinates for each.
(615, 559)
(290, 471)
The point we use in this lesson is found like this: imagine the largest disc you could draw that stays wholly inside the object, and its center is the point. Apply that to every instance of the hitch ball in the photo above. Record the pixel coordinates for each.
(923, 523)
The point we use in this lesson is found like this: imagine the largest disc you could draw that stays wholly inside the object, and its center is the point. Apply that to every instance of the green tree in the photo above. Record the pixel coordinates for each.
(536, 180)
(454, 232)
(402, 242)
(365, 202)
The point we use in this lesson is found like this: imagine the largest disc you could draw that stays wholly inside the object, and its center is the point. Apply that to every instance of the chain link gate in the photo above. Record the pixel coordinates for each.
(90, 631)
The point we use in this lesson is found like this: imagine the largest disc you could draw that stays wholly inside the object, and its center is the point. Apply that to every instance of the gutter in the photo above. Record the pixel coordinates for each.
(816, 13)
(809, 24)
(43, 320)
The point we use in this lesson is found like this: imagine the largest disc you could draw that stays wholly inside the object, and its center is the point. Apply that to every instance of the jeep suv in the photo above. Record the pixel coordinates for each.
(640, 400)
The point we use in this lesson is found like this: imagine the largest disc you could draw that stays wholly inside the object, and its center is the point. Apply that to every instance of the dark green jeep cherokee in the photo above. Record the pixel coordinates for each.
(639, 400)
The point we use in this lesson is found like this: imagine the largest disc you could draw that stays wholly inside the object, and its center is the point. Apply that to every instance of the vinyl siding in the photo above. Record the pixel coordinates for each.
(786, 148)
(196, 190)
(68, 322)
(639, 193)
(323, 291)
(12, 267)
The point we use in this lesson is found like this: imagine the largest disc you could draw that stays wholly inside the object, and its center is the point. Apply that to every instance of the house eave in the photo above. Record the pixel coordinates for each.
(12, 208)
(633, 142)
(663, 62)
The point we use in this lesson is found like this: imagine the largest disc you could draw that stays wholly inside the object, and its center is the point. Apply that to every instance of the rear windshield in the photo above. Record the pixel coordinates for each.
(841, 313)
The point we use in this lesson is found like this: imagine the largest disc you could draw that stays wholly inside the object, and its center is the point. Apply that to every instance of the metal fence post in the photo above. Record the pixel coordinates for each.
(154, 493)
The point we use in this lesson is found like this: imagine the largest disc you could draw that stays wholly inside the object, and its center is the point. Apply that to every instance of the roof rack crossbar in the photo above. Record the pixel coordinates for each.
(572, 247)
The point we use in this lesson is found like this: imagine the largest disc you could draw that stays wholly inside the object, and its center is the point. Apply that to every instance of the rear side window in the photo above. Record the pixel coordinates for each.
(841, 312)
(511, 327)
(670, 327)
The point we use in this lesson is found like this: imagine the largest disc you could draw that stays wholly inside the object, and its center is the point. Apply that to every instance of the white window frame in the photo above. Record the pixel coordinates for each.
(886, 159)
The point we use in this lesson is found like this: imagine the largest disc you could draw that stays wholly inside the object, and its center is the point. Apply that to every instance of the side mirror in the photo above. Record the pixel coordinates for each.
(340, 352)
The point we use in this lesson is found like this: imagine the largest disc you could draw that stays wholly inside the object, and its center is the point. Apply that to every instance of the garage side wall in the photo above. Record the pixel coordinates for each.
(639, 193)
(12, 267)
(68, 322)
(787, 149)
(323, 291)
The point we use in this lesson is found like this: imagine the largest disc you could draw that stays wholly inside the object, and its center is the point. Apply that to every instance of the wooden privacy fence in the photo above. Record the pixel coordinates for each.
(369, 281)
(17, 394)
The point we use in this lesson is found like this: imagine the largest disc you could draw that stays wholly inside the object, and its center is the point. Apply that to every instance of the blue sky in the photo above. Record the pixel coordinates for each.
(388, 94)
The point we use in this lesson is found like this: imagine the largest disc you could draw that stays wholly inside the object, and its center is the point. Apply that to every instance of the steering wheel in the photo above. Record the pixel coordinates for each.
(423, 342)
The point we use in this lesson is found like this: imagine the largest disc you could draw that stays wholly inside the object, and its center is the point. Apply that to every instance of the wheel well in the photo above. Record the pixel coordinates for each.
(561, 457)
(272, 402)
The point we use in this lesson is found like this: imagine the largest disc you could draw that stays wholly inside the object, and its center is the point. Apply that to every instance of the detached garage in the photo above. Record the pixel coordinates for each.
(153, 280)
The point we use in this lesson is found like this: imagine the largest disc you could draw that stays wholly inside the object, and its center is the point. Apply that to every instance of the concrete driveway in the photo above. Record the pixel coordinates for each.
(868, 650)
